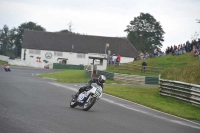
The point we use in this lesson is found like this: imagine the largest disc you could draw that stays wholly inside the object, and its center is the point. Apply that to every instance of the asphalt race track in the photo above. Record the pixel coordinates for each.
(29, 104)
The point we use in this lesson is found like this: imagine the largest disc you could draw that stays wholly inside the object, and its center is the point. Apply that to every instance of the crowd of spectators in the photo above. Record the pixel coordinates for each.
(156, 52)
(182, 48)
(115, 60)
(192, 47)
(188, 47)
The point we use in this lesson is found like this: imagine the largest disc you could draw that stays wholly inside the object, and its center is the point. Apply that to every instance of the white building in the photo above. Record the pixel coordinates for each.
(39, 47)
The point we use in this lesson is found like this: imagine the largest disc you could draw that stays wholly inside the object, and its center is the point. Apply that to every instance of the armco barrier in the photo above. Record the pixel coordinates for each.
(180, 90)
(151, 80)
(67, 66)
(133, 79)
(108, 75)
(137, 68)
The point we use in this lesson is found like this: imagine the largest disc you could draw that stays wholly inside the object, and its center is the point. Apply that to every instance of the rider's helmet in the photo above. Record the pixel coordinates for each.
(101, 79)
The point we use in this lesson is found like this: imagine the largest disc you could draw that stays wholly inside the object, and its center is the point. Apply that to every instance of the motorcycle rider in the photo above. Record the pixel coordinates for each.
(5, 66)
(99, 81)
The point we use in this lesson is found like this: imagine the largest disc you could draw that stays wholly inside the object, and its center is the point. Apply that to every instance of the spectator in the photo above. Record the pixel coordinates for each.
(158, 52)
(199, 46)
(196, 52)
(141, 55)
(150, 55)
(184, 48)
(167, 50)
(118, 59)
(114, 58)
(110, 59)
(171, 49)
(147, 55)
(155, 52)
(144, 64)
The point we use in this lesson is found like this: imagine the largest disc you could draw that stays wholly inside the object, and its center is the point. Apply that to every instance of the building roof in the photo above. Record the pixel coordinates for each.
(64, 42)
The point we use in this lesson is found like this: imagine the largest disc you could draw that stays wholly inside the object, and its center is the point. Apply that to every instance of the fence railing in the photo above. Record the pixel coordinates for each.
(180, 90)
(67, 66)
(133, 79)
(138, 68)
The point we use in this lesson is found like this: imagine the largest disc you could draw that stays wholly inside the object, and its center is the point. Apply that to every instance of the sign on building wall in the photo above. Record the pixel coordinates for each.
(48, 55)
(97, 55)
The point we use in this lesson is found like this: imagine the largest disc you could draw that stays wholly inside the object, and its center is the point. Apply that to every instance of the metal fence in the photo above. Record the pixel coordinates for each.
(138, 68)
(133, 79)
(180, 90)
(67, 66)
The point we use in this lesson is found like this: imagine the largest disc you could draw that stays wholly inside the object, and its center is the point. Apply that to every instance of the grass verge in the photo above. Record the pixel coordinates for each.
(150, 97)
(68, 76)
(71, 76)
(3, 62)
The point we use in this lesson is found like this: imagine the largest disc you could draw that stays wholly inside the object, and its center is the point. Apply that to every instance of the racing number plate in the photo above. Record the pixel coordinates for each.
(98, 92)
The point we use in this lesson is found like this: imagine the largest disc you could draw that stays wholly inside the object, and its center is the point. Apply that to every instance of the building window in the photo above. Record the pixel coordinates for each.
(80, 55)
(34, 52)
(31, 51)
(37, 52)
(58, 54)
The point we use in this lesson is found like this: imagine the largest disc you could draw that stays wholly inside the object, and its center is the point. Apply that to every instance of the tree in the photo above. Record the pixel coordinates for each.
(145, 33)
(69, 30)
(65, 31)
(20, 32)
(195, 36)
(6, 41)
(70, 26)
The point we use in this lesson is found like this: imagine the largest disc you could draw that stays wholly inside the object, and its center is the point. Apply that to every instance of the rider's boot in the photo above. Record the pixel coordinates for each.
(76, 95)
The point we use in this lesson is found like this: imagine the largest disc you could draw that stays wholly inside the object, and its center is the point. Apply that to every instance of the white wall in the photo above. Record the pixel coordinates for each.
(72, 58)
(4, 58)
(126, 59)
(27, 63)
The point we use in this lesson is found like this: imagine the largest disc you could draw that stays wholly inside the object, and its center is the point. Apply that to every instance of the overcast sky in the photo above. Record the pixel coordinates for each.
(104, 17)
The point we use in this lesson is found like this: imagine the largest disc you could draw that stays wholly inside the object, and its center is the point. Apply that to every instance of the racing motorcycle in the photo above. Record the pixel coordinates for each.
(7, 69)
(88, 98)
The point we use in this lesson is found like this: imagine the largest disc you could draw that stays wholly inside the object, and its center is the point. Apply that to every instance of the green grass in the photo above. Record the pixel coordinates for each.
(3, 62)
(170, 61)
(188, 74)
(150, 97)
(72, 76)
(68, 76)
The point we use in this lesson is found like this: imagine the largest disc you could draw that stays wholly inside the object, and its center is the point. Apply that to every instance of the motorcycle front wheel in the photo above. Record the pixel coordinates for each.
(73, 103)
(89, 104)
